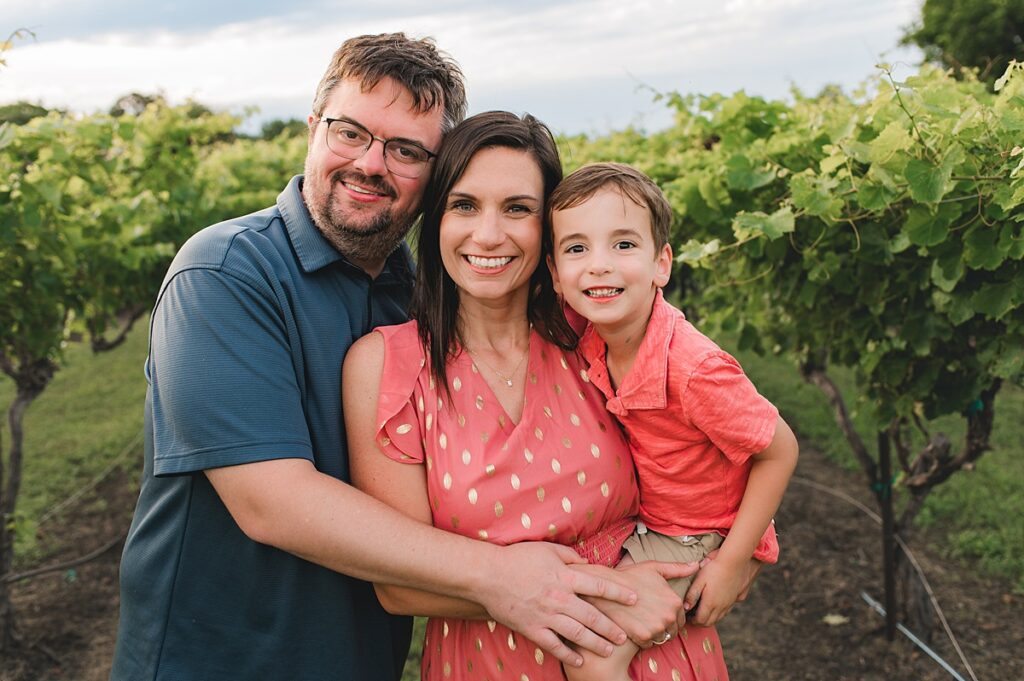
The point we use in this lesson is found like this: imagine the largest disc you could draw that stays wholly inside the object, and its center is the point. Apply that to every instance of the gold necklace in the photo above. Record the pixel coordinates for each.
(503, 377)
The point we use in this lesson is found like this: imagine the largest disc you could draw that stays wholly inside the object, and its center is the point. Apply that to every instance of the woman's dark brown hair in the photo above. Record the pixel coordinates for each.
(435, 301)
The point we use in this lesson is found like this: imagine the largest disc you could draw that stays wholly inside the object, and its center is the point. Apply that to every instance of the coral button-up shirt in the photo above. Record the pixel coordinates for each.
(693, 421)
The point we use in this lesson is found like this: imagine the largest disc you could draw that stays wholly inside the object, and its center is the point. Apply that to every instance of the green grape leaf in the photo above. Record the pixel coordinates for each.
(835, 160)
(1010, 362)
(1014, 69)
(858, 151)
(947, 271)
(899, 243)
(927, 181)
(713, 193)
(995, 300)
(981, 248)
(747, 225)
(923, 228)
(694, 252)
(1011, 241)
(741, 174)
(894, 138)
(813, 195)
(874, 197)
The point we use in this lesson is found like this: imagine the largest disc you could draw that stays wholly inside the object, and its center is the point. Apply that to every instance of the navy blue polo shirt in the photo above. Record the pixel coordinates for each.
(247, 340)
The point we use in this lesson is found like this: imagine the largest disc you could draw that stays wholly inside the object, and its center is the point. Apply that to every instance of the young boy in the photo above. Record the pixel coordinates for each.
(713, 457)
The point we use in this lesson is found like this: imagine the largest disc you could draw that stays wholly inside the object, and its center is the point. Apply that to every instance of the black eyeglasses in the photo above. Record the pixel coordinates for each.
(348, 139)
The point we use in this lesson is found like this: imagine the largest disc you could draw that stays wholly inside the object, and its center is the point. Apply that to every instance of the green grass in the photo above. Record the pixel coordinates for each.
(88, 418)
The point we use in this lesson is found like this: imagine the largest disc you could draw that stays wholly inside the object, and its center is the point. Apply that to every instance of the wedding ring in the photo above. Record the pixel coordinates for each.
(665, 638)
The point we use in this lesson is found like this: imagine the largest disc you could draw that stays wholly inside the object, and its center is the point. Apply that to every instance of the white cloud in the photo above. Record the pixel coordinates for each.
(579, 61)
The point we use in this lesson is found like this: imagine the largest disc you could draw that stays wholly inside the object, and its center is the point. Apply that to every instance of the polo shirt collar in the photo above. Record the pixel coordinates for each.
(314, 252)
(646, 385)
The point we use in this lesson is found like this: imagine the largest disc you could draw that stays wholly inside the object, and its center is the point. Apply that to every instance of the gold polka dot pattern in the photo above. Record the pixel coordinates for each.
(544, 478)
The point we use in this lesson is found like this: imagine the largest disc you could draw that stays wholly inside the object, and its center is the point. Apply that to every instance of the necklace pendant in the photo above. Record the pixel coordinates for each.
(508, 382)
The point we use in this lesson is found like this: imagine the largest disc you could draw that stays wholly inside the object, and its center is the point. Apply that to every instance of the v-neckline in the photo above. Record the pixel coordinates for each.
(512, 424)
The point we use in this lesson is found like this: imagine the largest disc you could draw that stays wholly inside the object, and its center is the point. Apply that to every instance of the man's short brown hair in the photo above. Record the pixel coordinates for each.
(431, 76)
(583, 183)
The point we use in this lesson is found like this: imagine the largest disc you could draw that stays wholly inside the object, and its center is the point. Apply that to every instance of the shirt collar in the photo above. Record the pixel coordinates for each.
(645, 387)
(315, 252)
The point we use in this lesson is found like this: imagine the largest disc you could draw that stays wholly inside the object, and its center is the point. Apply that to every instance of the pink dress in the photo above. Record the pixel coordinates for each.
(562, 474)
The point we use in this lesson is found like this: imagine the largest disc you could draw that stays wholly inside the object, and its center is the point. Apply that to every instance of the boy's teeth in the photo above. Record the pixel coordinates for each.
(603, 292)
(477, 261)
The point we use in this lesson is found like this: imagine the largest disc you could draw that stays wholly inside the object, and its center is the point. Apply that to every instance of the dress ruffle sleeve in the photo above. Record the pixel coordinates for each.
(400, 407)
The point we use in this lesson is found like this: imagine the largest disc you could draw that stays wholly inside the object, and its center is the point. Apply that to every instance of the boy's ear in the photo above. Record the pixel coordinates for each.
(663, 266)
(554, 275)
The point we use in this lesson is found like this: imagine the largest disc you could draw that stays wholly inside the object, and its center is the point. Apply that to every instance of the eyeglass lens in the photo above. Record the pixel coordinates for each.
(350, 140)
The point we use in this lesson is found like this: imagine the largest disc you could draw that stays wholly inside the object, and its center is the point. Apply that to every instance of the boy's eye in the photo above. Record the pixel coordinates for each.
(625, 245)
(575, 248)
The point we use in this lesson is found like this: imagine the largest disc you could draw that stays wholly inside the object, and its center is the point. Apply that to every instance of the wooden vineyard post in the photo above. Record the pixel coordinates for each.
(883, 491)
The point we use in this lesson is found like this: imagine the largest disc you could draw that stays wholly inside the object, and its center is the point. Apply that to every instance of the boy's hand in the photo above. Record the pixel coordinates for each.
(717, 587)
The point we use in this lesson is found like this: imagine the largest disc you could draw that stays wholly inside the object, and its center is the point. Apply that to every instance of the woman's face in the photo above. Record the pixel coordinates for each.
(491, 227)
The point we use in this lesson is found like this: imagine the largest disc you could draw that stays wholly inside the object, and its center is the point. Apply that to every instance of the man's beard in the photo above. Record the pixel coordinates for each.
(369, 244)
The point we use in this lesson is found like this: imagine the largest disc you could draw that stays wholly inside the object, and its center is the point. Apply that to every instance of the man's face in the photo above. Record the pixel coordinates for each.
(361, 207)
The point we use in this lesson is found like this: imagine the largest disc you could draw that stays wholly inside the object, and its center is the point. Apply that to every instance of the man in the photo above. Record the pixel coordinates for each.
(247, 550)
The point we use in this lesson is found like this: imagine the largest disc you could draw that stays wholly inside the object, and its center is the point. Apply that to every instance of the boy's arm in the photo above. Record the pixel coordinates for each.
(723, 579)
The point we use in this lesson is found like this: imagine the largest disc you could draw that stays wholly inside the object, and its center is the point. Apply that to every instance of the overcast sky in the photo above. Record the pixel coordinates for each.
(581, 66)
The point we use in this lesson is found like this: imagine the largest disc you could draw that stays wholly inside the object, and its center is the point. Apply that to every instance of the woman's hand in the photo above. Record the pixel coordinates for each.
(658, 607)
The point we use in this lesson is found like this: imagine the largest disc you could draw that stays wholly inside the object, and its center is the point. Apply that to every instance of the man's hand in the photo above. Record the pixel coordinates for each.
(658, 608)
(532, 590)
(712, 609)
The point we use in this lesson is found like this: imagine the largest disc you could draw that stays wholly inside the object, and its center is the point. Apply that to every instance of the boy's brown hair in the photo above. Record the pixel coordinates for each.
(584, 182)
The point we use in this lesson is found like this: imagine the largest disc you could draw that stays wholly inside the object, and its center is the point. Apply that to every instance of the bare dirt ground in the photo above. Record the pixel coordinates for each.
(830, 555)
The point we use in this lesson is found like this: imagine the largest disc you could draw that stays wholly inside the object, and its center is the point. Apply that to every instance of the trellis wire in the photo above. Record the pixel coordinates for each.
(100, 477)
(913, 561)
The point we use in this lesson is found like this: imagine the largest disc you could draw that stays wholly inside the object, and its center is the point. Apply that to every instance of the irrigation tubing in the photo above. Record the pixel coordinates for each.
(914, 639)
(913, 561)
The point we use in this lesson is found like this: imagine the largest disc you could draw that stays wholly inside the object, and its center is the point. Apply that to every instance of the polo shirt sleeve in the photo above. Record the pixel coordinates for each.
(224, 384)
(723, 404)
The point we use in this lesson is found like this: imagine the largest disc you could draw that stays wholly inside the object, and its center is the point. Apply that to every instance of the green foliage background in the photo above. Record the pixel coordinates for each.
(882, 231)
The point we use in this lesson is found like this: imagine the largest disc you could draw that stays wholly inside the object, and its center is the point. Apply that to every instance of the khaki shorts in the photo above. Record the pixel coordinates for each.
(647, 545)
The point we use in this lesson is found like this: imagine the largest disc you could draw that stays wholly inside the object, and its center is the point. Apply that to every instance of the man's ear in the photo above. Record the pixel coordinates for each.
(311, 123)
(554, 275)
(663, 266)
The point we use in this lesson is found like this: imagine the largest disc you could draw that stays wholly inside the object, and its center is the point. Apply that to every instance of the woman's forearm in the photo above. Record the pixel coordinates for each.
(399, 600)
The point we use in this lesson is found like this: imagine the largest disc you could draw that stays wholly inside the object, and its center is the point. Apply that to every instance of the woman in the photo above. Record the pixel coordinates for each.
(486, 420)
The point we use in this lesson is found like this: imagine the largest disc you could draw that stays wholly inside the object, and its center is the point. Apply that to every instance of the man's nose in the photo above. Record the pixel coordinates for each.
(372, 161)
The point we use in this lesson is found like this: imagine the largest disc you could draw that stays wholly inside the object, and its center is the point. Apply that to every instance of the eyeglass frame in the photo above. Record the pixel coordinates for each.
(374, 138)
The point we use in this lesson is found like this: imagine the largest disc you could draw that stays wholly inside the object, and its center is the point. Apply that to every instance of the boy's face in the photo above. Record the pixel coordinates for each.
(605, 263)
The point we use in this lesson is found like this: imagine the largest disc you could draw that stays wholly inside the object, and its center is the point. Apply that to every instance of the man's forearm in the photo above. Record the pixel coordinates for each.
(528, 587)
(290, 505)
